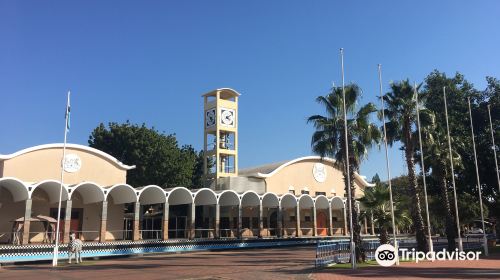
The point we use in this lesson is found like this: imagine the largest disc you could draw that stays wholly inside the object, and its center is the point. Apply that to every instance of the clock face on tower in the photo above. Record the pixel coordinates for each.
(227, 117)
(210, 118)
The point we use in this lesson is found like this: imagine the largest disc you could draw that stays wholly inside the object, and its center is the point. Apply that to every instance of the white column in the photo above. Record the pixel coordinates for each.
(217, 220)
(330, 220)
(240, 214)
(315, 224)
(261, 219)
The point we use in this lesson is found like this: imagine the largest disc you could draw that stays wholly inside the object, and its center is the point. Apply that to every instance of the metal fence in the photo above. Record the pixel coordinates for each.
(338, 251)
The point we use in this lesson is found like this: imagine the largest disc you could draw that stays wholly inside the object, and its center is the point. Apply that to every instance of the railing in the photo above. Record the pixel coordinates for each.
(289, 232)
(328, 252)
(269, 232)
(178, 233)
(204, 233)
(121, 234)
(319, 231)
(307, 231)
(228, 232)
(84, 234)
(151, 234)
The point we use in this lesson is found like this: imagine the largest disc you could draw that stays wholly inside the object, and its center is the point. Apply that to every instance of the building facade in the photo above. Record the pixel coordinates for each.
(299, 197)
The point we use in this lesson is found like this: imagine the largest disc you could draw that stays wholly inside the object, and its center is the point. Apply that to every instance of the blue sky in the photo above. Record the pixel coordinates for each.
(150, 61)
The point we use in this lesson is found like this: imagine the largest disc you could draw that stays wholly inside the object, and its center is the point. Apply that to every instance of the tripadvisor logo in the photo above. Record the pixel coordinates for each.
(385, 255)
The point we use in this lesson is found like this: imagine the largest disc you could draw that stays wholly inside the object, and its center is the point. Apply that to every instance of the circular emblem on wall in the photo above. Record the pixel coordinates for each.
(72, 163)
(319, 172)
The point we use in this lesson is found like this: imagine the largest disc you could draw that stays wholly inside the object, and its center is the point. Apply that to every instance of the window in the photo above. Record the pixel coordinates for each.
(307, 218)
(292, 192)
(293, 219)
(304, 192)
(320, 193)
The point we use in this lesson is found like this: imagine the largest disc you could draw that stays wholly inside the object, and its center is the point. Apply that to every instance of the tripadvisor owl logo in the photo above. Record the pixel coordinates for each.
(385, 255)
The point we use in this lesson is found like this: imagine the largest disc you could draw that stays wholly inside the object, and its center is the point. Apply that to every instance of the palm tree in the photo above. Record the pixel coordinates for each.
(377, 204)
(329, 140)
(437, 157)
(401, 116)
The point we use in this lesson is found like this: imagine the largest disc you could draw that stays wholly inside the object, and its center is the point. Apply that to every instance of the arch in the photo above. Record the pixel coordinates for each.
(228, 197)
(337, 202)
(205, 196)
(16, 187)
(306, 201)
(270, 200)
(51, 187)
(250, 198)
(179, 195)
(90, 192)
(288, 201)
(122, 193)
(321, 202)
(152, 194)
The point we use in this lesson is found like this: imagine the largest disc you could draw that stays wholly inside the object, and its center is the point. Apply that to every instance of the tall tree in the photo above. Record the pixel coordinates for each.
(329, 140)
(377, 204)
(401, 120)
(158, 158)
(437, 158)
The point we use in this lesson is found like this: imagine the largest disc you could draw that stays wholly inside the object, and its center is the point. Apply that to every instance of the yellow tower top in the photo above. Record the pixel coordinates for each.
(220, 134)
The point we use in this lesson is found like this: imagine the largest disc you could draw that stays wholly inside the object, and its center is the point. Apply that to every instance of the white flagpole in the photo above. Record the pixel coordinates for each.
(56, 247)
(388, 165)
(460, 244)
(431, 246)
(353, 248)
(494, 147)
(485, 241)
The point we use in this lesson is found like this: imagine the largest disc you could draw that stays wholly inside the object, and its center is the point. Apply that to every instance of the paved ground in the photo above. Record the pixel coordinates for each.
(279, 263)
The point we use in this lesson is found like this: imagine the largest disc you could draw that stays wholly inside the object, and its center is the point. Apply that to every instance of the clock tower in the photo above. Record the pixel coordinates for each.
(220, 135)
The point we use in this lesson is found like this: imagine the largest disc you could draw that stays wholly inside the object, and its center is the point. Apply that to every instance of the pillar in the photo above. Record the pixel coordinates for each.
(104, 221)
(192, 224)
(315, 224)
(166, 208)
(217, 220)
(67, 222)
(373, 225)
(330, 220)
(27, 222)
(261, 219)
(345, 221)
(279, 222)
(136, 232)
(366, 225)
(240, 214)
(298, 232)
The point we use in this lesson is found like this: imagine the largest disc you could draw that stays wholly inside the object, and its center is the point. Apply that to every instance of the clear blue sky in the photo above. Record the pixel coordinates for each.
(150, 61)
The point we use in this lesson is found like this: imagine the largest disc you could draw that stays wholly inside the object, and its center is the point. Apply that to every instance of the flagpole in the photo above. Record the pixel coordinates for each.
(460, 244)
(494, 148)
(485, 241)
(388, 165)
(431, 246)
(348, 179)
(56, 247)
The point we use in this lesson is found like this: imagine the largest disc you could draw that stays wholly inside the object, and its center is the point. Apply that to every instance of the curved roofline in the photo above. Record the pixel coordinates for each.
(362, 179)
(73, 146)
(223, 89)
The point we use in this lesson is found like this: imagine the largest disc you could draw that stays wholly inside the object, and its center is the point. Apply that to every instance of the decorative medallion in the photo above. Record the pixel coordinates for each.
(72, 163)
(319, 172)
